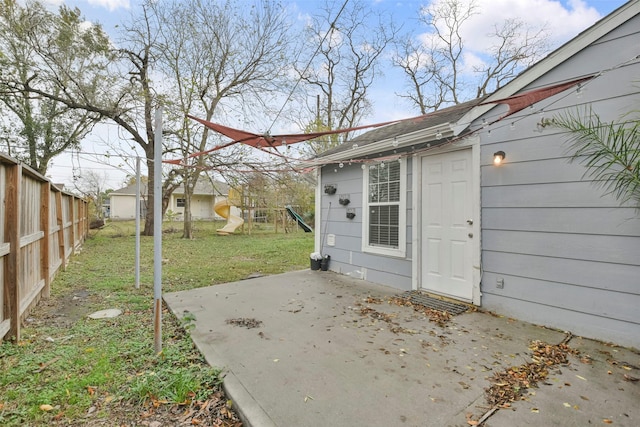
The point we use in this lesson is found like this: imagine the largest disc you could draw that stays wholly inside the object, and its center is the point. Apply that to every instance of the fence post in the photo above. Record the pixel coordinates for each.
(86, 219)
(60, 220)
(13, 176)
(72, 232)
(45, 245)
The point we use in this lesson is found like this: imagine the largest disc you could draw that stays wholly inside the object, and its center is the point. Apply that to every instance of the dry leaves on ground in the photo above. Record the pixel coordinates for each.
(438, 316)
(508, 386)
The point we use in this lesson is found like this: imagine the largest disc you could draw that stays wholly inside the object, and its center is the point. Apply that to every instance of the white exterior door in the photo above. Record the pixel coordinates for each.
(447, 224)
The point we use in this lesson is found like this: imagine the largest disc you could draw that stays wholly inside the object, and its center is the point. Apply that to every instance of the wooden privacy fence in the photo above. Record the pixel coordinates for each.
(40, 228)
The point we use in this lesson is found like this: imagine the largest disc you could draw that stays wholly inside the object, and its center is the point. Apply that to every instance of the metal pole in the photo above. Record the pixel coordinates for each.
(137, 222)
(157, 232)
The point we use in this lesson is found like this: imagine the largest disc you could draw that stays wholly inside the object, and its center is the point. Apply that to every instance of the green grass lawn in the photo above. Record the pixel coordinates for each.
(104, 372)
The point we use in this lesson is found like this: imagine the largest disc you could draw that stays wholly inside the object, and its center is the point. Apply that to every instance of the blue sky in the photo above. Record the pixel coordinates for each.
(564, 19)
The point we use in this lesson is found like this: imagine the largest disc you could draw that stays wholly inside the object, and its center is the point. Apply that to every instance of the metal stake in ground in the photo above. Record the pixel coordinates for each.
(157, 233)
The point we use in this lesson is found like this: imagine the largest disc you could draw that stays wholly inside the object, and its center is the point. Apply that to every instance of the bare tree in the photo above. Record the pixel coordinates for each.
(35, 129)
(214, 57)
(104, 82)
(91, 185)
(517, 47)
(343, 54)
(434, 63)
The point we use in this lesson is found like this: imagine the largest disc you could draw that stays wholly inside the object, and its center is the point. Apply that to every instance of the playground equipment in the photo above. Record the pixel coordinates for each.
(223, 208)
(296, 217)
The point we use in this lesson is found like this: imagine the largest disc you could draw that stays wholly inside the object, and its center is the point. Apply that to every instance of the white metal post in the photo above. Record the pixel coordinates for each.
(157, 232)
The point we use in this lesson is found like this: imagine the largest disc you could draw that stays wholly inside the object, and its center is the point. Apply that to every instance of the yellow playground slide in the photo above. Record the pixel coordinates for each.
(223, 208)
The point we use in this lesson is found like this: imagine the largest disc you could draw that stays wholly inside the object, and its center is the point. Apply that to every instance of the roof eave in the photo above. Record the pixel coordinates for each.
(445, 130)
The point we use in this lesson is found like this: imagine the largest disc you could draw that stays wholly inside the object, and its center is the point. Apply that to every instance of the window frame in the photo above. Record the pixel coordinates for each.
(401, 250)
(179, 200)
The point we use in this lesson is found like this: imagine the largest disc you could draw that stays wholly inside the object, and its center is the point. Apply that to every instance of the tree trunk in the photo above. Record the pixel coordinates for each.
(189, 186)
(148, 221)
(187, 231)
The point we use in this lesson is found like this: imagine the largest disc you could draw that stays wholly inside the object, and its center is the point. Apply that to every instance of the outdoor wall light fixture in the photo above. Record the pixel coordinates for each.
(344, 199)
(351, 213)
(498, 157)
(330, 189)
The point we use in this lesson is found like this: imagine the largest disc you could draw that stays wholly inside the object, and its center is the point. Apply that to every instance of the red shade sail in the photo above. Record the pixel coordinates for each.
(266, 140)
(524, 100)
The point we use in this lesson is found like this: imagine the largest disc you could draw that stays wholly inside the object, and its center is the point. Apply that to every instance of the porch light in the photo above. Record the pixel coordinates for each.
(498, 157)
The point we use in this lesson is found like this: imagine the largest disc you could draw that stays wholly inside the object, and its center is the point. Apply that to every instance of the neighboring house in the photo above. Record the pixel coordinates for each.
(123, 201)
(531, 238)
(106, 207)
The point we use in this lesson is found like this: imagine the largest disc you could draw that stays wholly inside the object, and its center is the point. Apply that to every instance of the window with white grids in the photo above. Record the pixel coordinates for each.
(385, 209)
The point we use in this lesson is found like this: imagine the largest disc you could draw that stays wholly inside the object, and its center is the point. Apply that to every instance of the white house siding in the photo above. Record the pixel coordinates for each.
(568, 254)
(122, 206)
(347, 256)
(201, 206)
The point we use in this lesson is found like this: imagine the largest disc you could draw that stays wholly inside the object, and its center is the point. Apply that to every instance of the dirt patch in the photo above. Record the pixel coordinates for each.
(64, 311)
(214, 412)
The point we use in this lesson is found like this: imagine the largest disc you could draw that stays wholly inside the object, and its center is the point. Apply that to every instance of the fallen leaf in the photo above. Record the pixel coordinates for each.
(307, 398)
(582, 378)
(46, 408)
(472, 422)
(626, 367)
(276, 360)
(566, 405)
(91, 390)
(584, 398)
(535, 410)
(630, 378)
(607, 421)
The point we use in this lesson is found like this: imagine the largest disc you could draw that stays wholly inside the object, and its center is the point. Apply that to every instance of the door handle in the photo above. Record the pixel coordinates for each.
(470, 221)
(470, 235)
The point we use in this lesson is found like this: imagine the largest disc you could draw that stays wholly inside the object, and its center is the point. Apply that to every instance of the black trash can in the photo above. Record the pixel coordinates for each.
(315, 264)
(324, 264)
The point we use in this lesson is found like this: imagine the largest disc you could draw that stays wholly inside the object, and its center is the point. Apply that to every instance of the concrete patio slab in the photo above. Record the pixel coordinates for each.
(318, 359)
